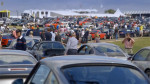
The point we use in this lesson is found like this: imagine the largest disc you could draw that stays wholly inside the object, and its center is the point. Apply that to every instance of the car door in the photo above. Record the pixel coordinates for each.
(85, 50)
(142, 59)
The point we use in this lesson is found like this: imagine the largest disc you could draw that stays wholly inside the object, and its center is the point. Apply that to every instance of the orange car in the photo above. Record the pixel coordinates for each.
(102, 35)
(6, 40)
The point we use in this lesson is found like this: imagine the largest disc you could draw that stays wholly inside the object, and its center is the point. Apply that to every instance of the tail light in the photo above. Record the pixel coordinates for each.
(17, 69)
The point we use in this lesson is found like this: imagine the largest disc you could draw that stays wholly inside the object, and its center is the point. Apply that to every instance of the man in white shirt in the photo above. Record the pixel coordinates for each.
(53, 36)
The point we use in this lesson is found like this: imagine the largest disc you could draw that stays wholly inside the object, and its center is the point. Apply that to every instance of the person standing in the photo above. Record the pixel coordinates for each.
(48, 35)
(21, 41)
(86, 35)
(128, 43)
(43, 35)
(77, 33)
(71, 47)
(97, 38)
(53, 35)
(58, 37)
(141, 30)
(116, 33)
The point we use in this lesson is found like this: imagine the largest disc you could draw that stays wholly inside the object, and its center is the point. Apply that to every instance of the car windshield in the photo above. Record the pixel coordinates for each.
(103, 75)
(110, 50)
(16, 59)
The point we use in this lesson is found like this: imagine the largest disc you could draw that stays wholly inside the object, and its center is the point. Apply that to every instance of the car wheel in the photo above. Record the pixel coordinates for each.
(148, 73)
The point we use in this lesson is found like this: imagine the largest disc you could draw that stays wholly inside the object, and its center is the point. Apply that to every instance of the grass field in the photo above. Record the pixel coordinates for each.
(140, 42)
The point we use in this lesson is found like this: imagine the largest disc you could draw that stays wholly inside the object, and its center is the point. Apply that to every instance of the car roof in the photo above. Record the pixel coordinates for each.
(98, 44)
(14, 52)
(146, 47)
(60, 61)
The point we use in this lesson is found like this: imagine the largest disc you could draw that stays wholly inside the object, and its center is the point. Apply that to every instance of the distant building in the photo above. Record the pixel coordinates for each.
(4, 13)
(138, 13)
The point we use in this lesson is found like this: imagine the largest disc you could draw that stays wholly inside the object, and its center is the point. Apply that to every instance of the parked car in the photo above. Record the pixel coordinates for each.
(29, 41)
(123, 32)
(142, 60)
(146, 32)
(15, 64)
(6, 39)
(85, 70)
(47, 49)
(102, 35)
(1, 21)
(103, 49)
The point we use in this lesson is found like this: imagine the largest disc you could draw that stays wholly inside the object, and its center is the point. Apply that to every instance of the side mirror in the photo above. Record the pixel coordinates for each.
(130, 58)
(18, 81)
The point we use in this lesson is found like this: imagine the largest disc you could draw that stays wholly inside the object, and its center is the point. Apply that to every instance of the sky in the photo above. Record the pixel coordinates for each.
(100, 5)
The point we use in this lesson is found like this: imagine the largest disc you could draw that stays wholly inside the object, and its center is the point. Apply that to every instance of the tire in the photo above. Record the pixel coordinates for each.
(148, 73)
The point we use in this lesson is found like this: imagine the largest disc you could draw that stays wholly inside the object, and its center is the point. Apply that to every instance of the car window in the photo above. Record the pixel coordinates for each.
(52, 79)
(86, 50)
(36, 46)
(41, 75)
(45, 45)
(142, 55)
(110, 50)
(58, 46)
(103, 75)
(16, 59)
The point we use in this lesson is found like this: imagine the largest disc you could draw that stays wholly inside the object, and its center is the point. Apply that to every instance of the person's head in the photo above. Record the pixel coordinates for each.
(127, 35)
(48, 29)
(18, 32)
(31, 32)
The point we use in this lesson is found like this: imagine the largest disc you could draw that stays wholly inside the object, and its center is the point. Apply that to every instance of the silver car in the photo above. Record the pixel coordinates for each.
(142, 60)
(85, 70)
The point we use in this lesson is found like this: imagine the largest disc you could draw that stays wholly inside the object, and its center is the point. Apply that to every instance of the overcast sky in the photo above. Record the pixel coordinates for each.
(101, 5)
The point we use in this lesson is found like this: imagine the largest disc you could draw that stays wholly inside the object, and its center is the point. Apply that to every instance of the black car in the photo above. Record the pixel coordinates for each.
(15, 64)
(47, 49)
(85, 70)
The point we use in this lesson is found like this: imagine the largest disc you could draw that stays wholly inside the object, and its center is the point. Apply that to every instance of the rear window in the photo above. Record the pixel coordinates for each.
(103, 75)
(110, 50)
(17, 59)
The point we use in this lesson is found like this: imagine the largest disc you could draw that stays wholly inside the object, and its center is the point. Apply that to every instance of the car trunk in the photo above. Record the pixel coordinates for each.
(15, 71)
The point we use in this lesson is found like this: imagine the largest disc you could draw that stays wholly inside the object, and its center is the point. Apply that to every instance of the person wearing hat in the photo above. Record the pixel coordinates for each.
(71, 47)
(21, 41)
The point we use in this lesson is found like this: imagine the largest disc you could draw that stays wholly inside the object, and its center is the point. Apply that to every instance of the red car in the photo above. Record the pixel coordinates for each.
(102, 35)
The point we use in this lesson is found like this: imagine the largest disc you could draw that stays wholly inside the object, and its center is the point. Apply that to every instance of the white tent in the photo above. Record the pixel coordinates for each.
(118, 13)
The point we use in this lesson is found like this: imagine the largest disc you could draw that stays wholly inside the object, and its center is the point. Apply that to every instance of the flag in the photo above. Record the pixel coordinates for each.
(2, 3)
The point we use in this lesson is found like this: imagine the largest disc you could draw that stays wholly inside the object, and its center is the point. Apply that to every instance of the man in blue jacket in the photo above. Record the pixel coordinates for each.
(21, 41)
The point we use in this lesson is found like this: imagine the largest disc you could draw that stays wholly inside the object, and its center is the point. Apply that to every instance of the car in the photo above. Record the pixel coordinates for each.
(29, 41)
(15, 64)
(1, 21)
(146, 32)
(102, 35)
(45, 49)
(6, 39)
(142, 60)
(85, 70)
(123, 32)
(103, 49)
